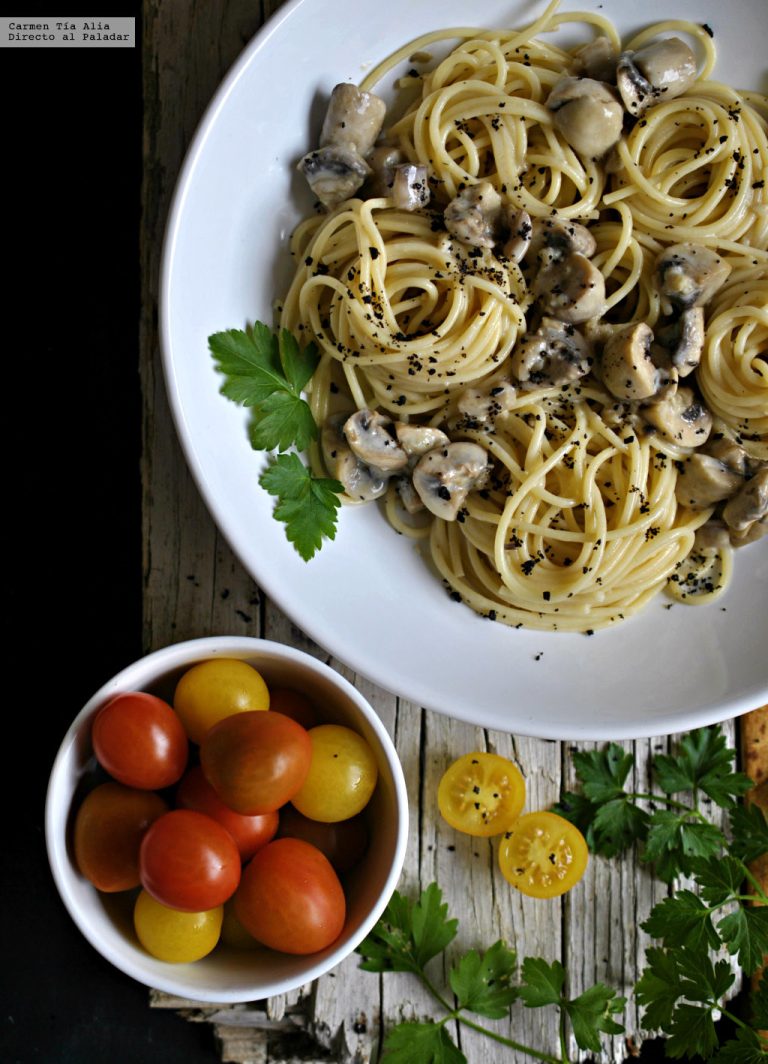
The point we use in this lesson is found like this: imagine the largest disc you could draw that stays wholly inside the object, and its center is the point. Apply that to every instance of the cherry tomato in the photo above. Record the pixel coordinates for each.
(481, 794)
(343, 843)
(293, 704)
(543, 855)
(341, 778)
(188, 861)
(250, 833)
(109, 827)
(215, 689)
(173, 936)
(257, 761)
(290, 898)
(140, 741)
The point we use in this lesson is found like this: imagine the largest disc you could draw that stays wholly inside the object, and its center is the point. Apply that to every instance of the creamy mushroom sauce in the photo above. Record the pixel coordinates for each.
(488, 301)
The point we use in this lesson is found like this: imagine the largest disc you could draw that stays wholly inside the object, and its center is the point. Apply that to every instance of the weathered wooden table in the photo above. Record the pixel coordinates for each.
(194, 586)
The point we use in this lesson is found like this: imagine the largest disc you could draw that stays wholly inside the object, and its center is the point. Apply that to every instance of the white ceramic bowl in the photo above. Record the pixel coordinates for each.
(228, 975)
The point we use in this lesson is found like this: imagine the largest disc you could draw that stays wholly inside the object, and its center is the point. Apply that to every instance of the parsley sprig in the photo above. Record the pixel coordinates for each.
(267, 372)
(410, 934)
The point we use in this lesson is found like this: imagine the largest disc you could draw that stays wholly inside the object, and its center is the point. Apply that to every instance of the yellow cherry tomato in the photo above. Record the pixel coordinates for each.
(481, 794)
(342, 775)
(215, 689)
(174, 936)
(543, 855)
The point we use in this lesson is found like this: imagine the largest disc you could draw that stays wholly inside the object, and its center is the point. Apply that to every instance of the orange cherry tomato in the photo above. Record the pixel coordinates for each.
(188, 861)
(544, 855)
(343, 843)
(109, 827)
(249, 832)
(481, 794)
(140, 741)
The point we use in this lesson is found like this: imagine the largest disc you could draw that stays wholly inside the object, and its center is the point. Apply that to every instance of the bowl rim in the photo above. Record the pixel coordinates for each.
(160, 662)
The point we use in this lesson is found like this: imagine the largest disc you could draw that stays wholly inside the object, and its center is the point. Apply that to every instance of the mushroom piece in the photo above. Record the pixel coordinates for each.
(334, 174)
(353, 119)
(382, 160)
(416, 440)
(571, 288)
(587, 114)
(662, 70)
(684, 339)
(597, 60)
(733, 455)
(703, 481)
(749, 506)
(680, 417)
(481, 405)
(710, 539)
(561, 237)
(519, 239)
(555, 355)
(410, 188)
(688, 275)
(371, 438)
(474, 216)
(627, 368)
(445, 476)
(409, 497)
(361, 482)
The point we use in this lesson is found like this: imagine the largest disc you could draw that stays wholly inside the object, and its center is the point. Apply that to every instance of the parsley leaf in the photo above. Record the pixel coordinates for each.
(703, 761)
(407, 936)
(589, 1013)
(421, 1043)
(691, 1031)
(744, 1048)
(306, 503)
(745, 931)
(682, 920)
(267, 373)
(482, 984)
(750, 832)
(658, 988)
(606, 815)
(673, 839)
(719, 878)
(542, 982)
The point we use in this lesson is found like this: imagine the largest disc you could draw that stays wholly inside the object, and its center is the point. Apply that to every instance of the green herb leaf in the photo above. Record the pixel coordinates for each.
(267, 373)
(659, 988)
(482, 984)
(542, 982)
(745, 931)
(758, 1004)
(602, 772)
(750, 832)
(703, 761)
(719, 878)
(592, 1012)
(607, 817)
(431, 930)
(744, 1048)
(307, 504)
(682, 920)
(674, 838)
(421, 1043)
(691, 1031)
(407, 936)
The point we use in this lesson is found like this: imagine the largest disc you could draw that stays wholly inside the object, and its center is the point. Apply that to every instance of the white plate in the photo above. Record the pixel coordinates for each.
(367, 597)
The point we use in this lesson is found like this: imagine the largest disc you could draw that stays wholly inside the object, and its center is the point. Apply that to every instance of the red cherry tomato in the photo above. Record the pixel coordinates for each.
(256, 761)
(188, 861)
(343, 842)
(295, 705)
(290, 898)
(109, 827)
(249, 832)
(140, 741)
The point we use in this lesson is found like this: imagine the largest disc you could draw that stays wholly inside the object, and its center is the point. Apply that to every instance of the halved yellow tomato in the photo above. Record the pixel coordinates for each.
(481, 794)
(543, 855)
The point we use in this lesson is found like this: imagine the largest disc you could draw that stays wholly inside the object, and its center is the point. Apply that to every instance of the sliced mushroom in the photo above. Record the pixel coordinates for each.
(597, 60)
(752, 534)
(361, 482)
(555, 355)
(733, 455)
(684, 339)
(371, 437)
(416, 440)
(410, 188)
(660, 71)
(627, 369)
(749, 505)
(483, 405)
(334, 174)
(382, 160)
(688, 275)
(409, 497)
(681, 418)
(571, 288)
(519, 239)
(560, 237)
(353, 119)
(444, 477)
(711, 538)
(703, 480)
(587, 114)
(474, 216)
